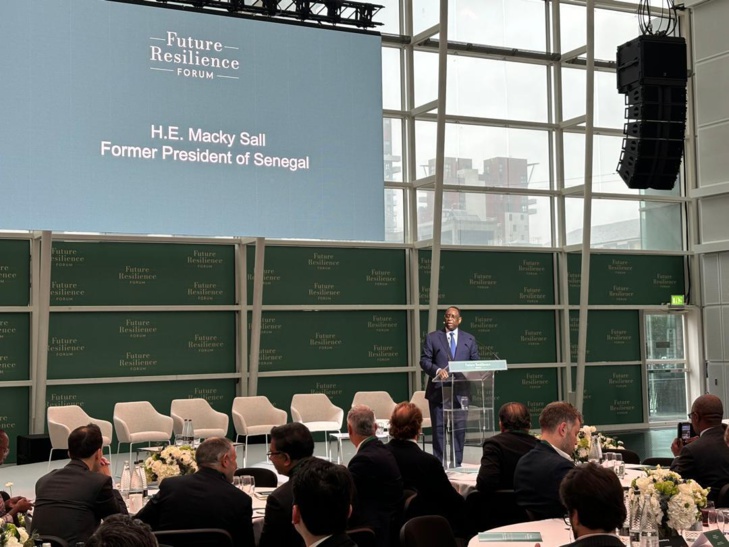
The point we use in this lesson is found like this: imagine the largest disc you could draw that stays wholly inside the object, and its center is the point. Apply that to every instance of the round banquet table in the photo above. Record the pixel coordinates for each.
(463, 478)
(555, 532)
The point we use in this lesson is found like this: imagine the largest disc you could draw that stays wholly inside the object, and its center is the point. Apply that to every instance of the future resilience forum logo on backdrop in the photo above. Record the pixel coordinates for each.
(188, 56)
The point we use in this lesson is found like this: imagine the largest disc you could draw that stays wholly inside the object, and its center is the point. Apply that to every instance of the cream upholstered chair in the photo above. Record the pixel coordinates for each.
(253, 416)
(419, 400)
(317, 413)
(64, 419)
(206, 421)
(138, 422)
(379, 401)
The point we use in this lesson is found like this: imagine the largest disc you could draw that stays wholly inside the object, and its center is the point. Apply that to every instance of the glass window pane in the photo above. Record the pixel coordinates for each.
(666, 394)
(394, 215)
(609, 107)
(484, 88)
(391, 98)
(612, 28)
(489, 22)
(389, 15)
(618, 224)
(392, 149)
(470, 218)
(486, 156)
(664, 337)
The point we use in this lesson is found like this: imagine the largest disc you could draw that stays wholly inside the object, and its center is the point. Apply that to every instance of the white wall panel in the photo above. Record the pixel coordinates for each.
(713, 333)
(710, 279)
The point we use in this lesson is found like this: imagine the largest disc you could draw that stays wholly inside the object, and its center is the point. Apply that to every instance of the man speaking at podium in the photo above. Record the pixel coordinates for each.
(439, 349)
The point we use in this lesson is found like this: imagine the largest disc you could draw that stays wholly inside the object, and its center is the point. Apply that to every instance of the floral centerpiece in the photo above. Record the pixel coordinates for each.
(675, 502)
(170, 462)
(584, 442)
(16, 536)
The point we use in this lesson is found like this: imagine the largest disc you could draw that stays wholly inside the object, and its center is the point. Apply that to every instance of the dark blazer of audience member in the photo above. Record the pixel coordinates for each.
(593, 498)
(322, 503)
(541, 470)
(502, 452)
(706, 457)
(291, 444)
(10, 506)
(206, 499)
(122, 531)
(376, 476)
(423, 472)
(70, 502)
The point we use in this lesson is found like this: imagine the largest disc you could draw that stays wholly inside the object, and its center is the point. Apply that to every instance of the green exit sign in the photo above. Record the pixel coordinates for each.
(677, 300)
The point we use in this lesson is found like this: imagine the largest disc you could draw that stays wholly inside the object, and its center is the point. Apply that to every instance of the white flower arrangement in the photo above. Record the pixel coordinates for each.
(16, 536)
(584, 442)
(170, 462)
(675, 501)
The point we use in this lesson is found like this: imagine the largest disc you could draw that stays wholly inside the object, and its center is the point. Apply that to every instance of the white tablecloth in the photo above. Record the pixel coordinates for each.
(554, 533)
(464, 479)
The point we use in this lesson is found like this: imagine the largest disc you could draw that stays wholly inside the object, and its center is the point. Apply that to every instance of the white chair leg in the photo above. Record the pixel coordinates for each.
(245, 451)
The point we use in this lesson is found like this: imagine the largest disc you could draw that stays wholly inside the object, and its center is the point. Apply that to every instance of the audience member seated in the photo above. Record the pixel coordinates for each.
(322, 503)
(423, 472)
(376, 476)
(206, 499)
(704, 458)
(122, 531)
(593, 498)
(70, 502)
(541, 470)
(502, 452)
(10, 506)
(291, 444)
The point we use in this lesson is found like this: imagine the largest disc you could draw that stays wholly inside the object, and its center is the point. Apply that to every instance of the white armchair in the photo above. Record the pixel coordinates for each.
(138, 422)
(255, 416)
(206, 421)
(317, 413)
(379, 401)
(64, 419)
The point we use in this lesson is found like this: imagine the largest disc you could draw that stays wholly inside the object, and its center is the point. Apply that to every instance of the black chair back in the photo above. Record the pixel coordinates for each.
(663, 462)
(263, 477)
(498, 508)
(363, 537)
(195, 537)
(427, 531)
(722, 499)
(628, 455)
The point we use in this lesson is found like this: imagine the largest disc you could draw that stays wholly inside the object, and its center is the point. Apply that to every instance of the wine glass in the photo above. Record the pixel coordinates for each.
(248, 484)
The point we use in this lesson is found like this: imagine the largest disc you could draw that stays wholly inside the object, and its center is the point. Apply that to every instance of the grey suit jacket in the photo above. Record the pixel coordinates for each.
(70, 502)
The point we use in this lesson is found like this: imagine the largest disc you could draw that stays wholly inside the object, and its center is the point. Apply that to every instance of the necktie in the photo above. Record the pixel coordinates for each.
(453, 345)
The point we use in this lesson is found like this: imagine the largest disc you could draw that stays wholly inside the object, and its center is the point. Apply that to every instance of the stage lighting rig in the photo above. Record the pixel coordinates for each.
(325, 12)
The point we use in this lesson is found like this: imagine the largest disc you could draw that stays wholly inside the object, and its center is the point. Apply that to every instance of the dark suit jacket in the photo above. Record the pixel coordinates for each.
(537, 478)
(602, 540)
(437, 354)
(379, 488)
(70, 502)
(338, 540)
(203, 500)
(706, 460)
(423, 473)
(278, 531)
(500, 456)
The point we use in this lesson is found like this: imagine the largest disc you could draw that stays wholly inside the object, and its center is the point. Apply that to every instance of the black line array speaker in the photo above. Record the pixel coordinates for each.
(652, 73)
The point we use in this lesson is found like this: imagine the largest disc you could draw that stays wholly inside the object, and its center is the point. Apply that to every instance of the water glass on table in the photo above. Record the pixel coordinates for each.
(619, 465)
(706, 512)
(609, 461)
(248, 484)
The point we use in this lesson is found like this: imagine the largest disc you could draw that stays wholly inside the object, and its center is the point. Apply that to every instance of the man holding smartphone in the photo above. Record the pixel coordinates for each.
(704, 458)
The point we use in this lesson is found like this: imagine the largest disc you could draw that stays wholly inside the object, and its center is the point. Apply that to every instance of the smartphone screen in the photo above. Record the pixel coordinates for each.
(684, 431)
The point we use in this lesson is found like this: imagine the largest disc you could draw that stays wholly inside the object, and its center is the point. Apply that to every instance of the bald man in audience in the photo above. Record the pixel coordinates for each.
(502, 452)
(704, 458)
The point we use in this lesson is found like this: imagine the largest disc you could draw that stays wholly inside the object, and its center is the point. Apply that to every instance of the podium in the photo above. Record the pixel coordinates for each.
(468, 404)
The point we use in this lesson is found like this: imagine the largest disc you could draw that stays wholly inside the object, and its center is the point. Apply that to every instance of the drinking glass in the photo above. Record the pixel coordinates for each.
(712, 519)
(238, 482)
(248, 484)
(705, 513)
(609, 461)
(619, 466)
(725, 515)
